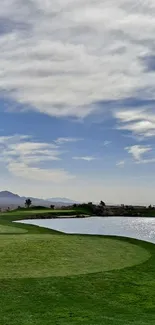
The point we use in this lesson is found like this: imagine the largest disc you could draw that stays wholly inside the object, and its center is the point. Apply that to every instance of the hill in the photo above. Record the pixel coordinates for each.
(9, 199)
(7, 194)
(62, 200)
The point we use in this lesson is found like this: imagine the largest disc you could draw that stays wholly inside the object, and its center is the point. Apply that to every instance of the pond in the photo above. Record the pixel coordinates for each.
(139, 228)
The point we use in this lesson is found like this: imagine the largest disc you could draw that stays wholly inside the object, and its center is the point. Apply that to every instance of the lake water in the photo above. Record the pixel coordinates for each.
(139, 228)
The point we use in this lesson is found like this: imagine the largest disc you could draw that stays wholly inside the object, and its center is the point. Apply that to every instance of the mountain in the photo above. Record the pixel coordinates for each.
(9, 199)
(7, 194)
(61, 200)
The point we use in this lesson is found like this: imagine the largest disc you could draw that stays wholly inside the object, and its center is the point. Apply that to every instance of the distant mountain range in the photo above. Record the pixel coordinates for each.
(9, 199)
(61, 199)
(7, 194)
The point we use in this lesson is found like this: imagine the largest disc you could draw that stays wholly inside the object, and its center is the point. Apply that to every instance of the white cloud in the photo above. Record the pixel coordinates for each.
(141, 122)
(60, 141)
(138, 151)
(20, 169)
(55, 59)
(106, 143)
(14, 138)
(120, 163)
(147, 161)
(86, 158)
(22, 158)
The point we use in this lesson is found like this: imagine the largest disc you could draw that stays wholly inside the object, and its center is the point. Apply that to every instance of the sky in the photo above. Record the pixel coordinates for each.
(77, 99)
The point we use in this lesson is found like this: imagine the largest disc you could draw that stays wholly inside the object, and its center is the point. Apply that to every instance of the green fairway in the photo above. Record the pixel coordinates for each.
(48, 278)
(5, 229)
(29, 212)
(41, 213)
(46, 255)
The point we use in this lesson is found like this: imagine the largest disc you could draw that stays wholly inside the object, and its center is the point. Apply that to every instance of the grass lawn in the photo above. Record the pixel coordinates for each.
(46, 255)
(48, 278)
(5, 229)
(26, 213)
(44, 211)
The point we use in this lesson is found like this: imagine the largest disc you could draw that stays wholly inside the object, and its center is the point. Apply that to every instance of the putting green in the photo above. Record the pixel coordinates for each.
(31, 256)
(11, 230)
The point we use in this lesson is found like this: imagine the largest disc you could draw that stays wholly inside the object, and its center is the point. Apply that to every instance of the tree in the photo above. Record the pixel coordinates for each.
(28, 203)
(75, 206)
(102, 203)
(52, 206)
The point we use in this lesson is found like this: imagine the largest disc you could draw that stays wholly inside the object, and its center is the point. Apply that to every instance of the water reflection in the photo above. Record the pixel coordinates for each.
(139, 228)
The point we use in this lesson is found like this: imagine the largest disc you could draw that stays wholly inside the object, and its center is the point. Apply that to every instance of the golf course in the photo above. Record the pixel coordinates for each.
(47, 277)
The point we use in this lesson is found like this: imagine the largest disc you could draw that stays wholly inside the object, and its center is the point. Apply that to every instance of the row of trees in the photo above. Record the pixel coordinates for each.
(94, 209)
(28, 204)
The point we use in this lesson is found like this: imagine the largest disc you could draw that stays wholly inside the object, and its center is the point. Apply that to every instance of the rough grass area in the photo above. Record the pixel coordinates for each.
(44, 213)
(4, 229)
(118, 287)
(46, 255)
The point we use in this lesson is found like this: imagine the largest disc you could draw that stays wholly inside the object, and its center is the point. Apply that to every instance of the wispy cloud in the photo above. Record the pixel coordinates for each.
(22, 157)
(120, 163)
(56, 61)
(86, 158)
(140, 122)
(138, 152)
(106, 143)
(11, 139)
(147, 161)
(61, 141)
(23, 170)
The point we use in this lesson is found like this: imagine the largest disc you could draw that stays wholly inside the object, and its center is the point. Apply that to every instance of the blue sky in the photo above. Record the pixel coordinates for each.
(77, 85)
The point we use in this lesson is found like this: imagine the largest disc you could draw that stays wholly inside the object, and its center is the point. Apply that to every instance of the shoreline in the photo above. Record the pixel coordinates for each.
(82, 216)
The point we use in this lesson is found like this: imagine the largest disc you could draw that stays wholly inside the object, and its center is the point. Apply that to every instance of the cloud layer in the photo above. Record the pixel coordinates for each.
(141, 122)
(86, 158)
(61, 57)
(22, 157)
(142, 154)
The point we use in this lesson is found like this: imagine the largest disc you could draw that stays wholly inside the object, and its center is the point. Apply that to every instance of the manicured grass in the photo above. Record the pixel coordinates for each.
(46, 255)
(47, 278)
(44, 211)
(29, 213)
(4, 229)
